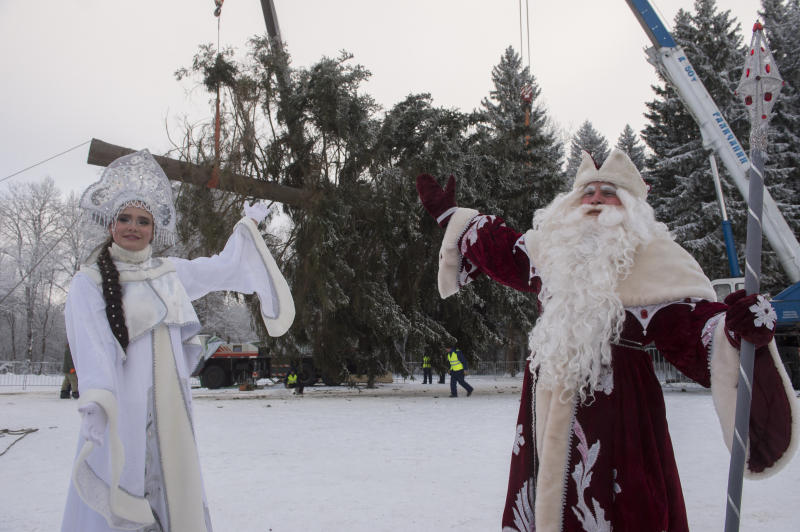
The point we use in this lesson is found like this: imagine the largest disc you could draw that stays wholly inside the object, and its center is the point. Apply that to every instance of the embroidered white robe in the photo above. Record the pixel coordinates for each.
(146, 476)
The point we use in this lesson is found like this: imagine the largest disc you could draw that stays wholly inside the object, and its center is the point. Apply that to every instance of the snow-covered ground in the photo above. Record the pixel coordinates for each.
(403, 457)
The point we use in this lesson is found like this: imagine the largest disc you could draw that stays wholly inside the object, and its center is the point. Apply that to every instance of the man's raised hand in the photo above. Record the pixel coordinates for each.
(440, 203)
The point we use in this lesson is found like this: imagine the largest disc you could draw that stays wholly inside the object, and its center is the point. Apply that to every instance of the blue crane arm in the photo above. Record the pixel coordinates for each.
(717, 135)
(652, 25)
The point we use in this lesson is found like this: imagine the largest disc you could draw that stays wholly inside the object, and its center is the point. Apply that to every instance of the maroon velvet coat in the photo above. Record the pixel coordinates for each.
(620, 469)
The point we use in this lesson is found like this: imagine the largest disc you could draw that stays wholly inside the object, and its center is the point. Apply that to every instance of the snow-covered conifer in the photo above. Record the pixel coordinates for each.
(586, 139)
(629, 142)
(516, 153)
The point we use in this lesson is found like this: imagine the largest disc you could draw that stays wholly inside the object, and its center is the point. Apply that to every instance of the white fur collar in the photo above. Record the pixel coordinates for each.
(118, 253)
(664, 271)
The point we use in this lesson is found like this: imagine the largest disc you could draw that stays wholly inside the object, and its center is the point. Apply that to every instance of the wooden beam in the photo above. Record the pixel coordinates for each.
(102, 154)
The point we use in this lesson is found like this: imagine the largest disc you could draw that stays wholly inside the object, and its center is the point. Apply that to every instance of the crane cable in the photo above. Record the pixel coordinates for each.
(214, 181)
(525, 35)
(12, 432)
(526, 92)
(45, 160)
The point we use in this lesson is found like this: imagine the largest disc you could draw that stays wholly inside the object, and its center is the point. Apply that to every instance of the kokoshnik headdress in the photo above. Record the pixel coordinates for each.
(133, 180)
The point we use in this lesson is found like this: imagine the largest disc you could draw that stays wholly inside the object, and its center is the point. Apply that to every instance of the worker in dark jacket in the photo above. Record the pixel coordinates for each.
(70, 382)
(294, 380)
(457, 366)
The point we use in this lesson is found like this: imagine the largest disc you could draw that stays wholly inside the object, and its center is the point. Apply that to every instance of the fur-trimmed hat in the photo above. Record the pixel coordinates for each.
(617, 170)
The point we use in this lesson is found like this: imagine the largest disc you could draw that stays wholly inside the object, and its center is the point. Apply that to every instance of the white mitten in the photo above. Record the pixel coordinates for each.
(93, 427)
(258, 211)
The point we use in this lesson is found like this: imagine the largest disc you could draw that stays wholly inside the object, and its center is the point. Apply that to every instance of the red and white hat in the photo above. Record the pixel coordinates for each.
(618, 169)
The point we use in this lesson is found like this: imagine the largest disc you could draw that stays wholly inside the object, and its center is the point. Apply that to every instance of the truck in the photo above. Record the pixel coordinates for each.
(228, 364)
(671, 61)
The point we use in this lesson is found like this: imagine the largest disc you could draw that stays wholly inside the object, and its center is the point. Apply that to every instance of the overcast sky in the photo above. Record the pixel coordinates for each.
(77, 69)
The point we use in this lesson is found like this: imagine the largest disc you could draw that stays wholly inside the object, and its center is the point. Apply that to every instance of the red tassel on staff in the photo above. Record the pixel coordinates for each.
(214, 181)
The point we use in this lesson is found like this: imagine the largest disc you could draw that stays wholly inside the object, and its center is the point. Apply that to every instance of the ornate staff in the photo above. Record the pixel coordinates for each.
(759, 87)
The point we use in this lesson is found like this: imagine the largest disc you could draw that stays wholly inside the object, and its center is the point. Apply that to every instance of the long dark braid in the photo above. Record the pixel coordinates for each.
(112, 293)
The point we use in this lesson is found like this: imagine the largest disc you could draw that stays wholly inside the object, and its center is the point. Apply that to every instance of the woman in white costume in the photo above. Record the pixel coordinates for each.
(131, 327)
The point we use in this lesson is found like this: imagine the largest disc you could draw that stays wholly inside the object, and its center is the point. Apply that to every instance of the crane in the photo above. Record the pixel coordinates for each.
(671, 61)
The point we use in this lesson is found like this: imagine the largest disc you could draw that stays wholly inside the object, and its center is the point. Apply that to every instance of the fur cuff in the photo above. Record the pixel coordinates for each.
(724, 383)
(449, 255)
(276, 325)
(119, 508)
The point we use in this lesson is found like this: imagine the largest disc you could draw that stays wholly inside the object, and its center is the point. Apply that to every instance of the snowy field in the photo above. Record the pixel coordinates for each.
(403, 457)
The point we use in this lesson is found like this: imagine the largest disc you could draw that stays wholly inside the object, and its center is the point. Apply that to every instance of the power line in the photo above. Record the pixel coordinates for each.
(45, 160)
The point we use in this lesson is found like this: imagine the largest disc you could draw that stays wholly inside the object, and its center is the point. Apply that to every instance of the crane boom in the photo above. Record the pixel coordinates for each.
(271, 21)
(671, 61)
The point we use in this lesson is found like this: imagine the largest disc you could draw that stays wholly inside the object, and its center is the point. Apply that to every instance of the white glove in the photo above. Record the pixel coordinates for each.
(93, 427)
(258, 211)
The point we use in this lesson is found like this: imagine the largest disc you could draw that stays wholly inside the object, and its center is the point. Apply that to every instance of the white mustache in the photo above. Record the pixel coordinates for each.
(610, 215)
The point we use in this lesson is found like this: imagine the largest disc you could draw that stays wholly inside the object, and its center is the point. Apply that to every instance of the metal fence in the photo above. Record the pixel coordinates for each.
(666, 372)
(24, 374)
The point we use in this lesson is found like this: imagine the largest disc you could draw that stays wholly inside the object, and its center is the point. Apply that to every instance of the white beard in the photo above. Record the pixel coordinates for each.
(580, 260)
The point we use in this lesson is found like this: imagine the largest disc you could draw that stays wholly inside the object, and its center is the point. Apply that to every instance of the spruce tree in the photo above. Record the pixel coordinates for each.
(514, 167)
(586, 139)
(314, 128)
(516, 156)
(629, 142)
(361, 256)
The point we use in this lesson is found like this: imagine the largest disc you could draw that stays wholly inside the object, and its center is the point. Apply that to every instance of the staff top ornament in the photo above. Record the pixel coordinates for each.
(761, 81)
(135, 180)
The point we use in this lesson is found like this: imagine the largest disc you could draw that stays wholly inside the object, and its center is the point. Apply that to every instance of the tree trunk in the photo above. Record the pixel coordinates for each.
(29, 324)
(11, 318)
(46, 319)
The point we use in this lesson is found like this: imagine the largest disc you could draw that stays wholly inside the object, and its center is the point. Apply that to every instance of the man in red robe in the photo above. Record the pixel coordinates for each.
(593, 451)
